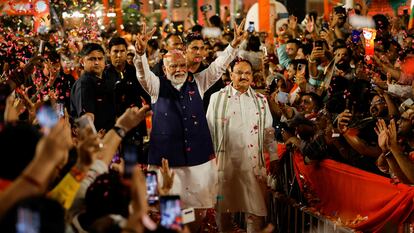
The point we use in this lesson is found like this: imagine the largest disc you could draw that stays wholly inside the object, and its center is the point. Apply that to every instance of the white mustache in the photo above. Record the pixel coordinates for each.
(178, 74)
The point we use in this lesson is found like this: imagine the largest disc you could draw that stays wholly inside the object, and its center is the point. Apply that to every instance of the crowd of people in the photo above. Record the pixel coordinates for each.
(75, 109)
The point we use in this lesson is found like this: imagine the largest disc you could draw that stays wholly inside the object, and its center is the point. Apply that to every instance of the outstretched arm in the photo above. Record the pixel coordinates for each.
(148, 80)
(206, 78)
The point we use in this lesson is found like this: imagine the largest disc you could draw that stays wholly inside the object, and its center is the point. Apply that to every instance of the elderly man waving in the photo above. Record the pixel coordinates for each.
(180, 131)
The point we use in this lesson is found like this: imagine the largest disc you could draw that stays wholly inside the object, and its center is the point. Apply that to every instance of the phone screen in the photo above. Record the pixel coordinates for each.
(283, 15)
(282, 97)
(152, 187)
(27, 221)
(130, 158)
(60, 109)
(170, 207)
(319, 44)
(251, 27)
(47, 117)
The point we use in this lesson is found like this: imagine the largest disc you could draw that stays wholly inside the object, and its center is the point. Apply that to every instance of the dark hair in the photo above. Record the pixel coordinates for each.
(53, 56)
(192, 37)
(153, 43)
(197, 28)
(297, 42)
(237, 61)
(315, 98)
(253, 43)
(90, 47)
(117, 41)
(381, 22)
(215, 21)
(107, 195)
(306, 48)
(339, 44)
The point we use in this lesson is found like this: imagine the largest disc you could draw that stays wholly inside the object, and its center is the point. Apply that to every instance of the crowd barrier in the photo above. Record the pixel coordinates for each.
(333, 197)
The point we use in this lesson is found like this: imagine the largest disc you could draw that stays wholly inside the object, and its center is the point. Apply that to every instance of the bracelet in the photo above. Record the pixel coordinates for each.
(32, 181)
(77, 174)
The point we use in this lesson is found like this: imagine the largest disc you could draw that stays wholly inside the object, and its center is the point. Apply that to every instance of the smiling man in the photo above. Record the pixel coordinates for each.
(180, 132)
(240, 123)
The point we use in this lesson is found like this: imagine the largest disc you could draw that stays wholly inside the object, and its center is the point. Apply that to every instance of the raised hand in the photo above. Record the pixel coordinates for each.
(310, 26)
(392, 131)
(131, 117)
(14, 107)
(383, 135)
(142, 39)
(293, 22)
(343, 121)
(167, 177)
(239, 34)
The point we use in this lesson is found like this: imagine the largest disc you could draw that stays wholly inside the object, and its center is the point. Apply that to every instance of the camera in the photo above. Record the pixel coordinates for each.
(206, 7)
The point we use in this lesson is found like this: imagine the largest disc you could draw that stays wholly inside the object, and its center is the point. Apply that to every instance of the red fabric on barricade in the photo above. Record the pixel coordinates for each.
(355, 198)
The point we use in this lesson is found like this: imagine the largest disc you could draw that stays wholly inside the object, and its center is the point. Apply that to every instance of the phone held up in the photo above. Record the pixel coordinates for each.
(171, 216)
(206, 7)
(152, 187)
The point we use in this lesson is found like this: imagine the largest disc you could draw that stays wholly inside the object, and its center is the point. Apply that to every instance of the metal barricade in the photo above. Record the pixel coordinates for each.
(287, 206)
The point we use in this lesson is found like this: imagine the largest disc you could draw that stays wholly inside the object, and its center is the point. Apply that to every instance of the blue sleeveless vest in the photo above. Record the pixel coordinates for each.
(180, 131)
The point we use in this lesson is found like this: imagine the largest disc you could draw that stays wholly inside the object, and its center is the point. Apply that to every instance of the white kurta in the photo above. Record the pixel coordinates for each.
(242, 182)
(196, 185)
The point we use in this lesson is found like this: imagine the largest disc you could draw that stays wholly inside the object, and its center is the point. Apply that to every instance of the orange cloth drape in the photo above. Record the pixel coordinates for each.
(345, 192)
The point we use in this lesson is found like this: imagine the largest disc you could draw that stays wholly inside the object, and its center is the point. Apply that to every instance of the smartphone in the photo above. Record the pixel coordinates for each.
(250, 28)
(47, 117)
(283, 97)
(319, 44)
(283, 15)
(405, 105)
(206, 7)
(60, 109)
(325, 26)
(356, 36)
(130, 158)
(171, 216)
(27, 221)
(152, 187)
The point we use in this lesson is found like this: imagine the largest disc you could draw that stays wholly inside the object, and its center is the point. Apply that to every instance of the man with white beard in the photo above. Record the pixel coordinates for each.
(180, 131)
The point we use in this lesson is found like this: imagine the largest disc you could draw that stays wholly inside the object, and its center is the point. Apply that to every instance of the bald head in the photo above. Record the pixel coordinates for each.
(173, 55)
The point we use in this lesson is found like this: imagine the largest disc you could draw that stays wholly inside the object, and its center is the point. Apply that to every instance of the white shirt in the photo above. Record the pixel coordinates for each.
(205, 79)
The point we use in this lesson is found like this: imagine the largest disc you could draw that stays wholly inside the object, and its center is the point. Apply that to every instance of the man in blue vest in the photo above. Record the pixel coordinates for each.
(180, 131)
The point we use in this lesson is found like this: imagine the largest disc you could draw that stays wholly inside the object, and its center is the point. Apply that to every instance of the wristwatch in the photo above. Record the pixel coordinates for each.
(120, 131)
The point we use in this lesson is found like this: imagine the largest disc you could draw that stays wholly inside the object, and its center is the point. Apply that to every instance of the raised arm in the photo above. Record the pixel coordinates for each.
(206, 78)
(148, 80)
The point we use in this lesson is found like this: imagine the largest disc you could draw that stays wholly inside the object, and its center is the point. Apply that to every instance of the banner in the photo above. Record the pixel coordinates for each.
(352, 197)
